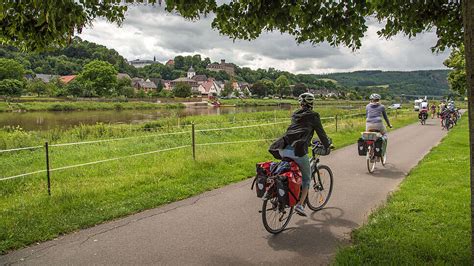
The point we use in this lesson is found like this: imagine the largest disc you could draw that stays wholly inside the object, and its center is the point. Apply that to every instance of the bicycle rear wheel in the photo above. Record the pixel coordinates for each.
(321, 190)
(274, 217)
(370, 159)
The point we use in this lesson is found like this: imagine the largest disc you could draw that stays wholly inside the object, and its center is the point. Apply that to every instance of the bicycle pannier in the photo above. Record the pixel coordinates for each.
(282, 190)
(378, 147)
(263, 171)
(361, 147)
(294, 184)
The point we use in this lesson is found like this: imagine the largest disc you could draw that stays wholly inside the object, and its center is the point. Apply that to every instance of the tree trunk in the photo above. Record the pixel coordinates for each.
(468, 21)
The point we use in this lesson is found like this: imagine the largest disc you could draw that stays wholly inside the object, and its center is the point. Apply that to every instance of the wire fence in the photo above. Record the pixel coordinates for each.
(337, 121)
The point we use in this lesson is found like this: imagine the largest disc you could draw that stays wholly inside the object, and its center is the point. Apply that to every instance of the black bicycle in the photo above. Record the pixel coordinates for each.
(276, 216)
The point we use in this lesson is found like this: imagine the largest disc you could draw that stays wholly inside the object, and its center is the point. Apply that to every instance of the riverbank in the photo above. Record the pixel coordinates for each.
(427, 221)
(294, 102)
(32, 106)
(226, 151)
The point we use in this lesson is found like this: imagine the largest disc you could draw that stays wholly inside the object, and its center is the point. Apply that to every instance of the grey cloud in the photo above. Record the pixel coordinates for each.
(151, 31)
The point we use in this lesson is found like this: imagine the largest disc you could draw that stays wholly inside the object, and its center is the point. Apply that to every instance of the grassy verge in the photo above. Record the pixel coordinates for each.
(81, 106)
(85, 196)
(427, 221)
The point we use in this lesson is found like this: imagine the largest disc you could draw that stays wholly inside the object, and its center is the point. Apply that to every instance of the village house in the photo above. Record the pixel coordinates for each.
(138, 63)
(170, 62)
(194, 85)
(144, 85)
(209, 88)
(227, 67)
(67, 79)
(200, 79)
(46, 78)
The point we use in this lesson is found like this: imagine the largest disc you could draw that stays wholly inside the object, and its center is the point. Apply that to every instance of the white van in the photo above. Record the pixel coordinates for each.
(417, 104)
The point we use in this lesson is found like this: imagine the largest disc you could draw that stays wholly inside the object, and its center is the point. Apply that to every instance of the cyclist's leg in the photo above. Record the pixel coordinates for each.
(305, 168)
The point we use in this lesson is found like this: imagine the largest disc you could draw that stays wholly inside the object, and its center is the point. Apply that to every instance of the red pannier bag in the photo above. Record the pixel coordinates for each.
(294, 183)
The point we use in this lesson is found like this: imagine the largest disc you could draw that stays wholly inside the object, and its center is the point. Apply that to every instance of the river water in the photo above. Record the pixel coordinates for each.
(50, 120)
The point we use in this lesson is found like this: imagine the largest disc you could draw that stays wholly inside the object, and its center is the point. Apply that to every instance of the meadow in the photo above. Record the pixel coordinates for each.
(227, 148)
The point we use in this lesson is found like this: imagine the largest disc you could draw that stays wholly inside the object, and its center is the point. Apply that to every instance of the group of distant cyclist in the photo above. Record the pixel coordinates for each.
(292, 149)
(446, 111)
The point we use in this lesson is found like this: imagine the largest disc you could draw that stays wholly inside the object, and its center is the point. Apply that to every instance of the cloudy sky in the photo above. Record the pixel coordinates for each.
(149, 31)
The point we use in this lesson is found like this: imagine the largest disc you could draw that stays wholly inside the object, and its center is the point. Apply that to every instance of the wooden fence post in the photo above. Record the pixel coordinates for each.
(46, 148)
(193, 141)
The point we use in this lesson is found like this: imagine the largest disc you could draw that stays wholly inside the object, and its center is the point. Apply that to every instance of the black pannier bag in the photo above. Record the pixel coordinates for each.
(378, 147)
(361, 147)
(260, 180)
(282, 190)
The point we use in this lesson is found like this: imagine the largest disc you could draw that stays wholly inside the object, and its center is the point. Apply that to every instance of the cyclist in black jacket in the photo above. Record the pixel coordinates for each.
(294, 144)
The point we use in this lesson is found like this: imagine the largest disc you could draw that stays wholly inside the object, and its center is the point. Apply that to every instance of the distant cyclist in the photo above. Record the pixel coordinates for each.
(423, 109)
(433, 110)
(295, 142)
(375, 111)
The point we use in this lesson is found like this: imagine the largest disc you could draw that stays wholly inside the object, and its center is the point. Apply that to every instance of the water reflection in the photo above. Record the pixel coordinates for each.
(50, 120)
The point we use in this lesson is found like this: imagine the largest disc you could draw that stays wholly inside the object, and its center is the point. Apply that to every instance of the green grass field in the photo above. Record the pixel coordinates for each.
(88, 195)
(427, 221)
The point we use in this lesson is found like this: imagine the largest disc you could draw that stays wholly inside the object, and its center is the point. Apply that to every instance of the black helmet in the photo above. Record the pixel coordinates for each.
(306, 99)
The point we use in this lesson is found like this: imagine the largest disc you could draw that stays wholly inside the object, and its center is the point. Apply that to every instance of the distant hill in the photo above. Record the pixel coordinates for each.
(70, 60)
(424, 82)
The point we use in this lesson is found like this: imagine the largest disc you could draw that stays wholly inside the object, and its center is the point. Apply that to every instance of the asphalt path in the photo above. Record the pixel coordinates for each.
(224, 226)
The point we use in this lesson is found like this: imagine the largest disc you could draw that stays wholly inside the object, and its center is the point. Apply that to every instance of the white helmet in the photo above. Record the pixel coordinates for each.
(375, 96)
(306, 99)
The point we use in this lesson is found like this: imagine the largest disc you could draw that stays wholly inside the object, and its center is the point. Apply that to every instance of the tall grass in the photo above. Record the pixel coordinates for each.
(88, 195)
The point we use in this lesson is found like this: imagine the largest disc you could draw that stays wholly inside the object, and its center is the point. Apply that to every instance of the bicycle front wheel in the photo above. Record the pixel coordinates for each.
(321, 190)
(274, 216)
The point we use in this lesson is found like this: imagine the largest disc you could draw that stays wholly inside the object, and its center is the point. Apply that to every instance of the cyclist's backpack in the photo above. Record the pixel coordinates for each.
(361, 147)
(378, 147)
(263, 171)
(282, 190)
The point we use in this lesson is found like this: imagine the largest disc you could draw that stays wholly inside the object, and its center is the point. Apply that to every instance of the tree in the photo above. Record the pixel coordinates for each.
(179, 62)
(457, 77)
(37, 86)
(11, 69)
(99, 77)
(124, 87)
(228, 89)
(299, 89)
(182, 90)
(283, 85)
(11, 88)
(262, 88)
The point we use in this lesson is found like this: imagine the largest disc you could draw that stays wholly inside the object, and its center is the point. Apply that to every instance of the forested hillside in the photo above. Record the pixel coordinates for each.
(72, 59)
(68, 60)
(430, 82)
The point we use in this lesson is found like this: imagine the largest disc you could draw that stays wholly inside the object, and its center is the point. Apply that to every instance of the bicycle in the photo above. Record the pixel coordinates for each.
(446, 120)
(370, 139)
(275, 216)
(423, 116)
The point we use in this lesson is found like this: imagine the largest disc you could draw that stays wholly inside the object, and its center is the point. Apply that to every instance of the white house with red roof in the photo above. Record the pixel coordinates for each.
(209, 88)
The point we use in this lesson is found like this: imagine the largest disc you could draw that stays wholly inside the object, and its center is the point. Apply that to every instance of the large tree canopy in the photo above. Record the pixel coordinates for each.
(35, 25)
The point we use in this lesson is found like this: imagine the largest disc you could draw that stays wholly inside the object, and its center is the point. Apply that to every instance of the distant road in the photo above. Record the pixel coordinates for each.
(223, 226)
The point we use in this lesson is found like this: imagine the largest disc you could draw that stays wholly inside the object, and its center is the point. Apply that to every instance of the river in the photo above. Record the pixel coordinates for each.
(51, 120)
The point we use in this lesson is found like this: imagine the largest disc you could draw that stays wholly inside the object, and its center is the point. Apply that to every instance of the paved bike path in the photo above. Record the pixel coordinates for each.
(223, 226)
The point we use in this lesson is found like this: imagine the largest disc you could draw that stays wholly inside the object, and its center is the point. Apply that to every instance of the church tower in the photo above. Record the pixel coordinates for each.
(191, 72)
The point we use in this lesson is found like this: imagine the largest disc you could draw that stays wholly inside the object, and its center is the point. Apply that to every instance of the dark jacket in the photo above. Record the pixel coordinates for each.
(300, 133)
